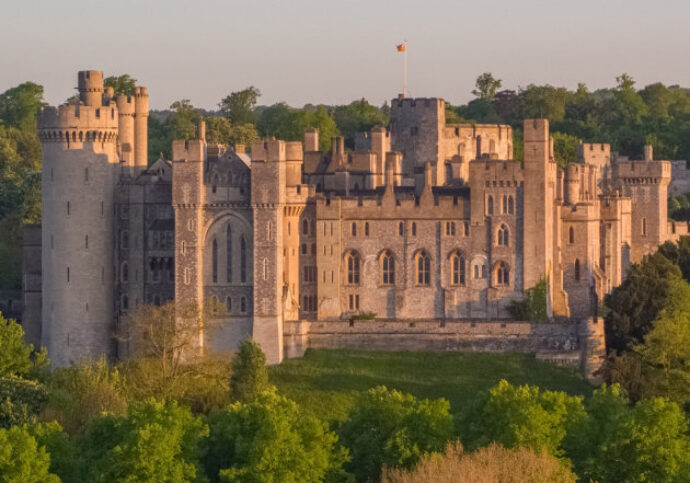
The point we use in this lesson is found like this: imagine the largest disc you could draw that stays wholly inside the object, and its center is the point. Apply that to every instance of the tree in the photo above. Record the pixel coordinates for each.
(184, 122)
(249, 372)
(533, 306)
(284, 122)
(122, 84)
(156, 442)
(65, 462)
(616, 442)
(565, 148)
(239, 106)
(358, 116)
(84, 391)
(522, 416)
(19, 105)
(21, 401)
(635, 303)
(17, 358)
(220, 130)
(491, 463)
(393, 429)
(486, 87)
(269, 439)
(22, 459)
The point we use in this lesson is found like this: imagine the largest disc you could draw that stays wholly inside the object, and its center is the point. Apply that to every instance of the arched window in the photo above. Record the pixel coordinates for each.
(228, 304)
(490, 205)
(502, 274)
(214, 261)
(243, 305)
(366, 229)
(305, 227)
(243, 260)
(228, 254)
(414, 229)
(353, 262)
(571, 235)
(577, 269)
(423, 266)
(511, 207)
(400, 228)
(354, 229)
(503, 234)
(505, 204)
(387, 268)
(457, 269)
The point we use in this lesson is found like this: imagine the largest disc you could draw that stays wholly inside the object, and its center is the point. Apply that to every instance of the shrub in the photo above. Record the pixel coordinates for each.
(249, 372)
(492, 463)
(84, 391)
(20, 401)
(17, 358)
(22, 459)
(268, 439)
(390, 428)
(522, 416)
(533, 306)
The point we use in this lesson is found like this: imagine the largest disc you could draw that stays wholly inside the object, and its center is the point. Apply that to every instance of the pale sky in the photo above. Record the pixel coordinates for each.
(336, 51)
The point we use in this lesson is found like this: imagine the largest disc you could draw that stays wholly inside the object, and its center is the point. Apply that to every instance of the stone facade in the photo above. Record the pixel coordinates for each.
(423, 221)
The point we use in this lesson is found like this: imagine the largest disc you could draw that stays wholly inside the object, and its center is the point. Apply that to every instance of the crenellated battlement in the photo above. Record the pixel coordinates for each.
(636, 172)
(71, 116)
(269, 150)
(189, 151)
(126, 105)
(418, 103)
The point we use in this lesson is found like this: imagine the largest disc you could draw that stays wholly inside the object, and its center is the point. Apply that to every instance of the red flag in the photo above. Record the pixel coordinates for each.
(402, 47)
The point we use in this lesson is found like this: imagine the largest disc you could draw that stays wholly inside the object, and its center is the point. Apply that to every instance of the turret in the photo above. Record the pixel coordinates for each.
(126, 109)
(141, 116)
(572, 183)
(91, 87)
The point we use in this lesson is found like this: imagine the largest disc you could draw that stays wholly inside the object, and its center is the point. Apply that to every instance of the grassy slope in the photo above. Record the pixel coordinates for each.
(326, 382)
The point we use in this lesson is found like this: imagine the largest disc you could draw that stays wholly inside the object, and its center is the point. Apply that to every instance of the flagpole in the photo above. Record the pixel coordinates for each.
(405, 70)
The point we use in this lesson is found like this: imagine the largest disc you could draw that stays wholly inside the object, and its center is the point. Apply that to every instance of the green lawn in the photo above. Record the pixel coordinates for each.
(326, 382)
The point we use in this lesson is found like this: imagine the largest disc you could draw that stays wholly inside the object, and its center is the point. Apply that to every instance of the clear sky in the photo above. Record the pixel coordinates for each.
(336, 51)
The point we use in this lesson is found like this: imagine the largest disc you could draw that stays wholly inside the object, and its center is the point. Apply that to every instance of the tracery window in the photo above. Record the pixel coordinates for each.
(490, 205)
(423, 267)
(457, 269)
(502, 274)
(503, 234)
(353, 262)
(387, 268)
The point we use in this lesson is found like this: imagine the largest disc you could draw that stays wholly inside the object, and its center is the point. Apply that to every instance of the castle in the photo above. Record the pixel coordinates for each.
(423, 221)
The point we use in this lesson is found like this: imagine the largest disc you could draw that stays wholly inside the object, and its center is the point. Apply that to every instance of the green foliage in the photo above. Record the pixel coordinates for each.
(393, 429)
(122, 84)
(616, 442)
(19, 105)
(249, 372)
(220, 130)
(486, 86)
(22, 459)
(358, 116)
(83, 392)
(64, 459)
(289, 124)
(269, 439)
(20, 401)
(239, 106)
(636, 303)
(565, 148)
(533, 307)
(522, 416)
(156, 442)
(17, 358)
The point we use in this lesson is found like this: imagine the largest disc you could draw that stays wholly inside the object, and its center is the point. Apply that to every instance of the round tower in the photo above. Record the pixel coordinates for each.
(141, 119)
(126, 107)
(79, 172)
(572, 183)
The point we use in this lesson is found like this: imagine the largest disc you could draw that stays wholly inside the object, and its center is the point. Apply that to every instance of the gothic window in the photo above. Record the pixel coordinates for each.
(228, 254)
(366, 229)
(490, 205)
(476, 271)
(354, 229)
(387, 269)
(243, 305)
(423, 267)
(457, 266)
(214, 261)
(577, 269)
(414, 229)
(571, 235)
(243, 260)
(505, 204)
(511, 207)
(353, 262)
(503, 236)
(502, 274)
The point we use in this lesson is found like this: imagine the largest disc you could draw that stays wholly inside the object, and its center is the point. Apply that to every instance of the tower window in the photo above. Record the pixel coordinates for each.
(228, 304)
(400, 228)
(68, 208)
(577, 269)
(502, 274)
(366, 229)
(644, 226)
(387, 269)
(490, 205)
(571, 235)
(353, 262)
(503, 234)
(457, 265)
(414, 229)
(243, 305)
(354, 229)
(423, 266)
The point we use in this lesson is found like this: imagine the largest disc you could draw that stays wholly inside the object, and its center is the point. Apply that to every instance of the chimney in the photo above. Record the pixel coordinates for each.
(202, 130)
(311, 140)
